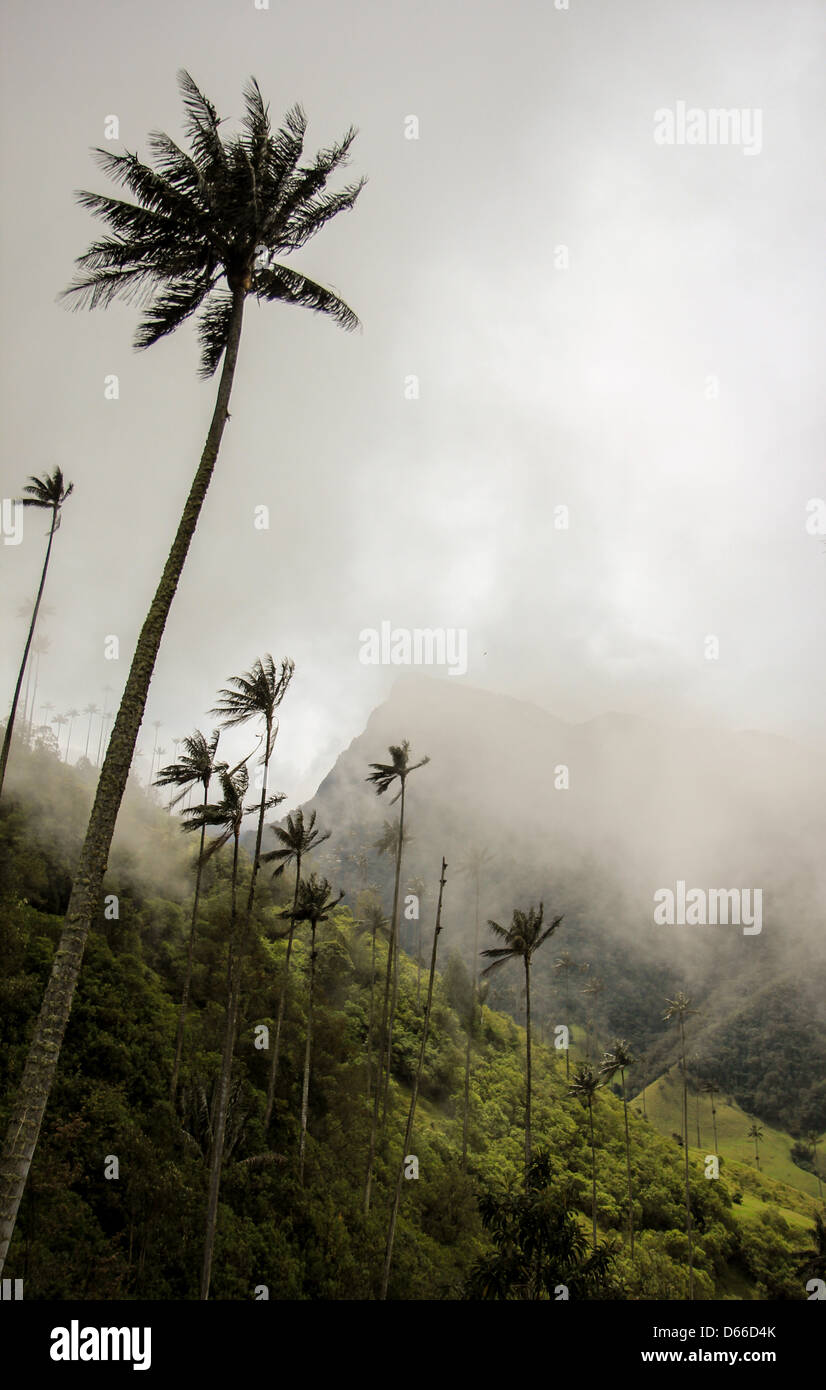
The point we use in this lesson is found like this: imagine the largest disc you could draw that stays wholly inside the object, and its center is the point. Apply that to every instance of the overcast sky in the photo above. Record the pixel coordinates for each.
(667, 387)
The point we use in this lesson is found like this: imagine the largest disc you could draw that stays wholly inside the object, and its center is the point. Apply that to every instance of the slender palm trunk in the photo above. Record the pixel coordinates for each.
(411, 1114)
(282, 1003)
(593, 1172)
(385, 1040)
(370, 1017)
(628, 1166)
(305, 1088)
(714, 1122)
(44, 1050)
(699, 1140)
(466, 1120)
(396, 955)
(179, 1039)
(527, 1067)
(687, 1188)
(4, 754)
(568, 1025)
(88, 736)
(219, 1126)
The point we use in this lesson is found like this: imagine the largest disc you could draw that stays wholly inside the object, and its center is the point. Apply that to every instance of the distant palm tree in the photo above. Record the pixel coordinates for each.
(206, 231)
(585, 1084)
(91, 710)
(71, 715)
(48, 493)
(60, 720)
(40, 646)
(257, 694)
(414, 1095)
(105, 720)
(522, 939)
(477, 859)
(756, 1134)
(376, 923)
(296, 839)
(418, 888)
(196, 767)
(227, 815)
(564, 965)
(593, 991)
(384, 776)
(313, 905)
(680, 1008)
(617, 1059)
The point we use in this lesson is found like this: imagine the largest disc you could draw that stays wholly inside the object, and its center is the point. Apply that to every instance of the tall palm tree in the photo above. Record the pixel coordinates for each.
(522, 939)
(593, 991)
(418, 886)
(60, 720)
(384, 776)
(205, 232)
(296, 838)
(314, 905)
(563, 965)
(756, 1134)
(585, 1084)
(710, 1088)
(196, 767)
(812, 1138)
(376, 923)
(105, 721)
(40, 646)
(680, 1008)
(257, 694)
(49, 494)
(71, 715)
(91, 710)
(414, 1095)
(617, 1059)
(227, 815)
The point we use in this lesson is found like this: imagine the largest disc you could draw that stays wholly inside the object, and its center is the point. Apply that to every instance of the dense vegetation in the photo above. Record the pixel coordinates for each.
(140, 1234)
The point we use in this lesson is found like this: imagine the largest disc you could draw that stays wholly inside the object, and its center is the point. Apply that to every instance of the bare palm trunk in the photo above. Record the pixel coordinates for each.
(411, 1114)
(305, 1088)
(4, 754)
(396, 939)
(44, 1051)
(385, 1041)
(282, 1003)
(687, 1188)
(593, 1172)
(179, 1039)
(528, 1067)
(628, 1166)
(370, 1017)
(466, 1120)
(219, 1125)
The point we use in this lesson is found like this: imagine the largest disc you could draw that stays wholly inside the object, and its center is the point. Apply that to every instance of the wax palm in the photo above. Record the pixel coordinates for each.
(585, 1084)
(812, 1138)
(60, 720)
(563, 965)
(196, 766)
(376, 923)
(593, 991)
(205, 231)
(48, 494)
(313, 904)
(619, 1058)
(383, 777)
(756, 1134)
(91, 710)
(680, 1008)
(40, 646)
(522, 939)
(296, 838)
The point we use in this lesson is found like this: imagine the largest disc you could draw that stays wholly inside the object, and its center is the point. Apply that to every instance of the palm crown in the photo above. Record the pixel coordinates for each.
(222, 213)
(522, 938)
(618, 1058)
(385, 774)
(48, 492)
(296, 838)
(313, 901)
(196, 764)
(227, 814)
(257, 692)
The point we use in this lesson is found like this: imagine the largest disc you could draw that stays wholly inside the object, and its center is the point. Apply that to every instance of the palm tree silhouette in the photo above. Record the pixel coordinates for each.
(523, 939)
(71, 715)
(296, 839)
(680, 1008)
(617, 1059)
(47, 493)
(196, 767)
(313, 904)
(756, 1134)
(227, 815)
(91, 710)
(205, 232)
(40, 646)
(384, 776)
(585, 1084)
(60, 720)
